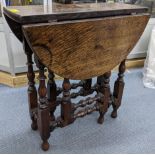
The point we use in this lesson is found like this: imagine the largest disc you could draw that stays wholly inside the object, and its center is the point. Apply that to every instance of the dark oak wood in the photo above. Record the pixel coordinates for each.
(43, 110)
(109, 40)
(15, 27)
(118, 89)
(66, 105)
(52, 94)
(88, 101)
(44, 125)
(32, 92)
(86, 111)
(61, 12)
(105, 89)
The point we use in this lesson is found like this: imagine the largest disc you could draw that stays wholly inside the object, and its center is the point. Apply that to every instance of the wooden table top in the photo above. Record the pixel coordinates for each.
(59, 12)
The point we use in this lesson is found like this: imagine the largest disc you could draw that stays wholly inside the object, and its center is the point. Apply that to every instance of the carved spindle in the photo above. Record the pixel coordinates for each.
(87, 110)
(52, 94)
(32, 92)
(66, 106)
(43, 110)
(105, 89)
(88, 101)
(55, 124)
(118, 89)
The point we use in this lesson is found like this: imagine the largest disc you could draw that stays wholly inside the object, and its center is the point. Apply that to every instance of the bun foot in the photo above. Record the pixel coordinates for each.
(34, 126)
(100, 120)
(114, 114)
(45, 145)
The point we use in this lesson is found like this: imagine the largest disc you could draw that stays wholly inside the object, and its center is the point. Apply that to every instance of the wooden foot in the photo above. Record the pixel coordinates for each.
(32, 92)
(105, 90)
(114, 114)
(118, 90)
(101, 118)
(45, 145)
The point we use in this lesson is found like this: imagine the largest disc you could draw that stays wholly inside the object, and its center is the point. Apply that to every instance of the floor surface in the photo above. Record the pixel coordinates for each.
(132, 132)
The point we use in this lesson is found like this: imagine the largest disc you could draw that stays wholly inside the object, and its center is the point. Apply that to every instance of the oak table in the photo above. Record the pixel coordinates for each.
(78, 42)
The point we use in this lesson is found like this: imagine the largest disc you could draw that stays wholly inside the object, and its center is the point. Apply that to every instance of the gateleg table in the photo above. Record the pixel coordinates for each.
(78, 42)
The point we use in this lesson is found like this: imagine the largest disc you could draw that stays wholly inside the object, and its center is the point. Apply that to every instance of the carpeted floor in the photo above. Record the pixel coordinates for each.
(132, 132)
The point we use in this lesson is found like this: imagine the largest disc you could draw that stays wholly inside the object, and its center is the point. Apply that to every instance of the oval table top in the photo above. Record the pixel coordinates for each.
(79, 41)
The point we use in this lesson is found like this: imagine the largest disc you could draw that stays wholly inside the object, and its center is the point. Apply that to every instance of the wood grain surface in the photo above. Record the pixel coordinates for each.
(86, 48)
(60, 12)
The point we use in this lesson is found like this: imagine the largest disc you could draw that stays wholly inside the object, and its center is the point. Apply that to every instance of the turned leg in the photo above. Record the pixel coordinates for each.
(118, 89)
(66, 106)
(32, 92)
(51, 94)
(105, 89)
(43, 109)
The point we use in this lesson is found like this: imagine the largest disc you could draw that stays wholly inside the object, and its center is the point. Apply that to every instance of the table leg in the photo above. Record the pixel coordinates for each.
(32, 92)
(66, 106)
(43, 109)
(118, 89)
(51, 94)
(105, 89)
